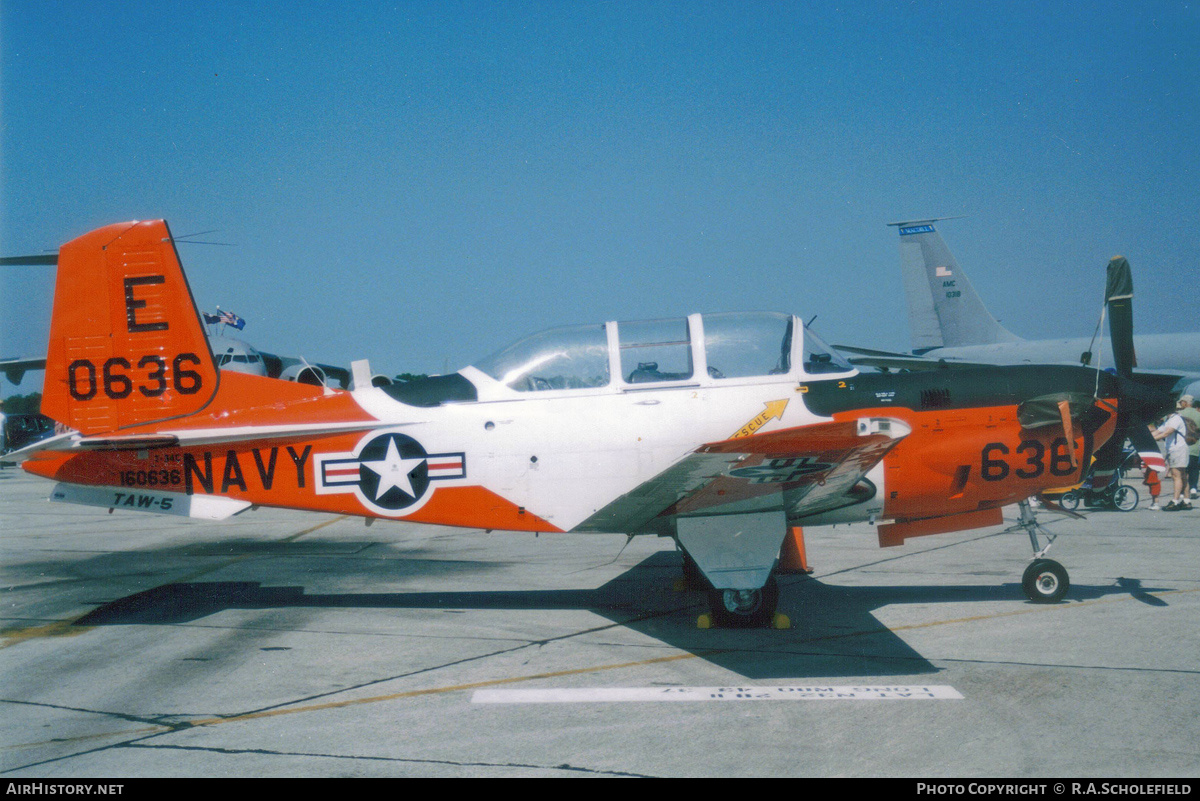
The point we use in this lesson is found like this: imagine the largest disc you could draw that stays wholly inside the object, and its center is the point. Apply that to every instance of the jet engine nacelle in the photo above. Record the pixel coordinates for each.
(361, 376)
(305, 374)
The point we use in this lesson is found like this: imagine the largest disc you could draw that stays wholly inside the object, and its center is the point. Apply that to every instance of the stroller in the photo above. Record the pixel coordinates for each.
(1122, 497)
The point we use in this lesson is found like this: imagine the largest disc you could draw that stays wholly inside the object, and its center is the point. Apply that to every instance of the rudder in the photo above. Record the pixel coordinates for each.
(127, 346)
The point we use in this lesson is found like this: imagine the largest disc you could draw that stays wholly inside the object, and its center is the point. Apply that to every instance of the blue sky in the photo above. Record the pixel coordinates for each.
(421, 183)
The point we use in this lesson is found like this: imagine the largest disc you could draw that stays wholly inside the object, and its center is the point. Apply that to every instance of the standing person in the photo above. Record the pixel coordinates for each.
(1193, 469)
(1177, 457)
(1154, 486)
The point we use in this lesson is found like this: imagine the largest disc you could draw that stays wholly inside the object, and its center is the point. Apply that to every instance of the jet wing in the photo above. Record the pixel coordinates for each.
(912, 363)
(865, 357)
(14, 369)
(280, 366)
(801, 471)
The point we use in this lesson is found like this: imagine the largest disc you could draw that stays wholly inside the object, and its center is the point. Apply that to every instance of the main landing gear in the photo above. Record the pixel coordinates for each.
(1045, 581)
(745, 608)
(734, 609)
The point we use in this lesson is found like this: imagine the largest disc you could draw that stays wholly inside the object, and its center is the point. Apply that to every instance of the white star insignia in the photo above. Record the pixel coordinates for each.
(393, 471)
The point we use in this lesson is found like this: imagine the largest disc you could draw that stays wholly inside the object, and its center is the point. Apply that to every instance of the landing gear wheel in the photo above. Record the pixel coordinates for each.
(1045, 581)
(1069, 501)
(1125, 498)
(744, 608)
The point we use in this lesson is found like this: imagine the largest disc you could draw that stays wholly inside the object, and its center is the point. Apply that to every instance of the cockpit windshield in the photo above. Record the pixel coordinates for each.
(561, 358)
(820, 358)
(735, 345)
(743, 344)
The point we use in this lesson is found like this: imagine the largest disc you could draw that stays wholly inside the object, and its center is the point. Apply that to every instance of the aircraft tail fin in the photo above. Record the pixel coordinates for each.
(943, 308)
(127, 347)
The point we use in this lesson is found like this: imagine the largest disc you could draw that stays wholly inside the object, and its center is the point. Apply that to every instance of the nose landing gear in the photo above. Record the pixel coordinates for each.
(1045, 581)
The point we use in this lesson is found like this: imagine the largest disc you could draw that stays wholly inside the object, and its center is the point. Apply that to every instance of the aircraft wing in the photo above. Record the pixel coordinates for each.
(284, 366)
(912, 363)
(802, 471)
(14, 369)
(1162, 379)
(865, 357)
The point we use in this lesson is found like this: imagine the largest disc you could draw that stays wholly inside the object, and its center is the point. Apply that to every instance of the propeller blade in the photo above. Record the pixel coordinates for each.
(1118, 296)
(1108, 458)
(1138, 403)
(1138, 406)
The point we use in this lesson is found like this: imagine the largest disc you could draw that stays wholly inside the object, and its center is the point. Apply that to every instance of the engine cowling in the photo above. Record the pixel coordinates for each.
(305, 374)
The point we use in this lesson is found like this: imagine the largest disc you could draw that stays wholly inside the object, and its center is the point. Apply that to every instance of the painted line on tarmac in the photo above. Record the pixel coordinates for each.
(270, 713)
(617, 666)
(609, 695)
(217, 721)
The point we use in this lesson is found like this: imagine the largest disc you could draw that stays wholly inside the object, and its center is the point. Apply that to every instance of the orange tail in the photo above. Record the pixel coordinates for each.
(126, 343)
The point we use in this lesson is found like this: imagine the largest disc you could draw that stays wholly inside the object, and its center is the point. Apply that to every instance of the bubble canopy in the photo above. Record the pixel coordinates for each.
(708, 349)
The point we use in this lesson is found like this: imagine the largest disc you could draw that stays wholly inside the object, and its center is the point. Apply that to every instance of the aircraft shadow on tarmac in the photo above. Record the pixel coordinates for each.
(833, 632)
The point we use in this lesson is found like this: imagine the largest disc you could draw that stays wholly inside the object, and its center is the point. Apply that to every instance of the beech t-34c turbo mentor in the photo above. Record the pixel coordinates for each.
(718, 430)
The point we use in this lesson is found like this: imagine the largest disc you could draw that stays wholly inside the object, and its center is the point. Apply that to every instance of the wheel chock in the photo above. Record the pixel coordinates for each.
(780, 621)
(705, 621)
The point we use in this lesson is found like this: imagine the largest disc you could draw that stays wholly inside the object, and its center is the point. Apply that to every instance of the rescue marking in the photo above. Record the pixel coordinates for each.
(772, 410)
(825, 692)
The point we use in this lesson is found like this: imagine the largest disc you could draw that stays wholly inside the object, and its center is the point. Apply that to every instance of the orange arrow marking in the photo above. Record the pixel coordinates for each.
(772, 410)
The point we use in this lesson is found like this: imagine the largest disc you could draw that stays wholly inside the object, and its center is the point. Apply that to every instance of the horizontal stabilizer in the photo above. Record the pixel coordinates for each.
(204, 507)
(73, 441)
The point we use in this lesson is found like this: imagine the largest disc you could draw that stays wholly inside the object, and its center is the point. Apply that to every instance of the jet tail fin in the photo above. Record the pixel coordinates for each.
(943, 308)
(127, 346)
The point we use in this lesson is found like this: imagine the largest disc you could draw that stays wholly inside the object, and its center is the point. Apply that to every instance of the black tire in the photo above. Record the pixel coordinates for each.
(744, 608)
(1125, 498)
(1069, 501)
(1045, 581)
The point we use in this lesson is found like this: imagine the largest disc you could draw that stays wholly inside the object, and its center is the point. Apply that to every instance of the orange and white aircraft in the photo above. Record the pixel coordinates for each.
(722, 431)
